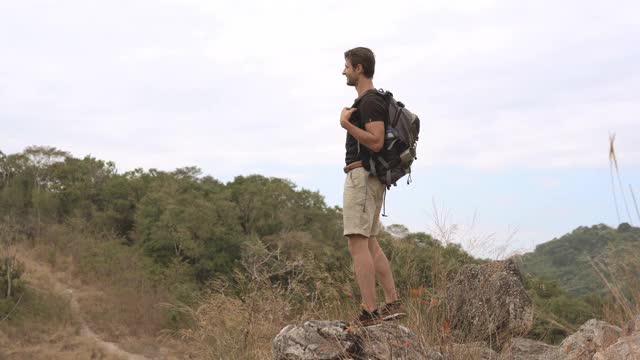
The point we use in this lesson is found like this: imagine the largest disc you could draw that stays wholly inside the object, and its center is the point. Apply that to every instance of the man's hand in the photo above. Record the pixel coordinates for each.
(345, 116)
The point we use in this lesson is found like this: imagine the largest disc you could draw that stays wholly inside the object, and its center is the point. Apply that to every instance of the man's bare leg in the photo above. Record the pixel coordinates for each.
(383, 270)
(364, 269)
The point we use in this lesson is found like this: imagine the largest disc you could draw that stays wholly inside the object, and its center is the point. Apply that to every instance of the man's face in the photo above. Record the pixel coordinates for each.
(350, 73)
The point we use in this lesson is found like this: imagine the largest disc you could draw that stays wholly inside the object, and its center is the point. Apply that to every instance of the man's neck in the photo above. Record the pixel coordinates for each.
(363, 86)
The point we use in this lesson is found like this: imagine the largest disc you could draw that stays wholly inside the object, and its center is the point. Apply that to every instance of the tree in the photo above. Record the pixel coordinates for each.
(40, 159)
(185, 219)
(79, 185)
(397, 230)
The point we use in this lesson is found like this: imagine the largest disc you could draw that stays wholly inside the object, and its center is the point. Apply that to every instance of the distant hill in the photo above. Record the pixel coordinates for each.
(572, 259)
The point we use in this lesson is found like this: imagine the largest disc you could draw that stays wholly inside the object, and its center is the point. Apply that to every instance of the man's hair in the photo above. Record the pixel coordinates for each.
(363, 56)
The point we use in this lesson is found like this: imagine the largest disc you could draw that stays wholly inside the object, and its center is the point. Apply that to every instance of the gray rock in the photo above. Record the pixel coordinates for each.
(626, 348)
(593, 336)
(315, 340)
(393, 341)
(489, 303)
(526, 349)
(333, 340)
(476, 351)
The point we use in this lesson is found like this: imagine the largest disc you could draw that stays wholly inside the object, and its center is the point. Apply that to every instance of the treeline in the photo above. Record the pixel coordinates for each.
(182, 216)
(172, 216)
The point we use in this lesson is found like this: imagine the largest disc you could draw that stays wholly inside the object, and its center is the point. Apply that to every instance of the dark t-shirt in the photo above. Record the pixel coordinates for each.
(371, 107)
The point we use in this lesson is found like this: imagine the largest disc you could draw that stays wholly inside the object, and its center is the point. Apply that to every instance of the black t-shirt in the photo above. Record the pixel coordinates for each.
(370, 106)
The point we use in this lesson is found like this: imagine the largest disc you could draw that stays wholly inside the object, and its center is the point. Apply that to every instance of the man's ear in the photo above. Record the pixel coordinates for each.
(359, 69)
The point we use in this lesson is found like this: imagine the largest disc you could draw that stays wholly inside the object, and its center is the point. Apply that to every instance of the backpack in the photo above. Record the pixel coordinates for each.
(394, 160)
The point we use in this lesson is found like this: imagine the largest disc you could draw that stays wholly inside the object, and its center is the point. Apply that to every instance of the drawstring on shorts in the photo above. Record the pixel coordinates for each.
(384, 202)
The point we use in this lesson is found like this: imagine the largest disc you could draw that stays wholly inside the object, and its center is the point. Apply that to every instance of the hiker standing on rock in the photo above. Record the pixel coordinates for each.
(364, 193)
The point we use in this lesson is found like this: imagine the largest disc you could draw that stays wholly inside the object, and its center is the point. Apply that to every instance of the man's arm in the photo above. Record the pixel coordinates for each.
(373, 134)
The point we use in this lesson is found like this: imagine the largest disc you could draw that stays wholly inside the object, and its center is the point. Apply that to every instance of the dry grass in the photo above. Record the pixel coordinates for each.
(39, 313)
(238, 319)
(116, 292)
(621, 278)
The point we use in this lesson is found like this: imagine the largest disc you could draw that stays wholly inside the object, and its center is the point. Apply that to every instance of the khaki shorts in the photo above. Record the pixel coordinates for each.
(362, 202)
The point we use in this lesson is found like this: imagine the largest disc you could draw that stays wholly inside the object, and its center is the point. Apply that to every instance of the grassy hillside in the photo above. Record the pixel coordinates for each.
(589, 260)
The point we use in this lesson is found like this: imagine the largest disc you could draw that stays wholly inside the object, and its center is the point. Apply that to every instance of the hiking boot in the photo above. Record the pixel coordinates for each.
(392, 311)
(367, 319)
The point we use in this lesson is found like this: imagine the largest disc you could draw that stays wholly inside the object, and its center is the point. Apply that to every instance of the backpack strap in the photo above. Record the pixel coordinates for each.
(385, 120)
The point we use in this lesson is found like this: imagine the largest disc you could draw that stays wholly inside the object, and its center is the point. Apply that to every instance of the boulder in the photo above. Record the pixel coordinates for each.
(593, 336)
(393, 341)
(333, 340)
(488, 303)
(626, 348)
(321, 340)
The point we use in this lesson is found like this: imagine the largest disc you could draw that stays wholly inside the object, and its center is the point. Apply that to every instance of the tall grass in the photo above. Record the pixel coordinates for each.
(621, 278)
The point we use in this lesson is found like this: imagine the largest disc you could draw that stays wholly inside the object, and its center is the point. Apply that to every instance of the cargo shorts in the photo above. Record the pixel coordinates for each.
(362, 202)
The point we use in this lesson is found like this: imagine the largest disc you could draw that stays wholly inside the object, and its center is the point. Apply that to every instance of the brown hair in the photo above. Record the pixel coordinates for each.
(363, 56)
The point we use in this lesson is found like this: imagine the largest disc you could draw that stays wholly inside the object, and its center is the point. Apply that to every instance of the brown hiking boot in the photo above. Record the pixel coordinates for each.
(367, 319)
(392, 311)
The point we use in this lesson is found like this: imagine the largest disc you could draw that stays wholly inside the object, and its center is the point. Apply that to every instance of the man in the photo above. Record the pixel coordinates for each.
(363, 193)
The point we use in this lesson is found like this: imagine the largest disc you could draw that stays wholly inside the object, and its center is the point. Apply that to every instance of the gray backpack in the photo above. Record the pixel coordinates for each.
(400, 143)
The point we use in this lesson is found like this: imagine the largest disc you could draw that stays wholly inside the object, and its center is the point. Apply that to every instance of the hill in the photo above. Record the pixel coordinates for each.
(589, 260)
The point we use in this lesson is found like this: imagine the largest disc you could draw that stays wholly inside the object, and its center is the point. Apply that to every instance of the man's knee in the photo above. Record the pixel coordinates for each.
(357, 243)
(374, 246)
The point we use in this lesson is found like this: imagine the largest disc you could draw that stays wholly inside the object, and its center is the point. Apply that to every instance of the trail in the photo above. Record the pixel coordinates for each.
(41, 277)
(85, 331)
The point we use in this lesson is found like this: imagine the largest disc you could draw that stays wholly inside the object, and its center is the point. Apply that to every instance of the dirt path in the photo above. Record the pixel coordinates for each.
(83, 342)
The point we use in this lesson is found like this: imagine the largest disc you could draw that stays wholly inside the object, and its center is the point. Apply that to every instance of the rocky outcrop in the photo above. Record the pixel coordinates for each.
(595, 340)
(489, 303)
(626, 348)
(593, 336)
(323, 340)
(333, 340)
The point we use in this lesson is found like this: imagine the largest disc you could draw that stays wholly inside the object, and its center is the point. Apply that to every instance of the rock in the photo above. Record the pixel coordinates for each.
(333, 340)
(489, 303)
(392, 341)
(593, 336)
(627, 348)
(321, 340)
(476, 351)
(526, 349)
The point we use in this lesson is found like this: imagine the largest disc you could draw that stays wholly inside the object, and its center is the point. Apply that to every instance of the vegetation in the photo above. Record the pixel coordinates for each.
(183, 254)
(569, 260)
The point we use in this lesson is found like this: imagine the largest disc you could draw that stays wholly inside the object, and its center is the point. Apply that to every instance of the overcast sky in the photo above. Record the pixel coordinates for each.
(517, 98)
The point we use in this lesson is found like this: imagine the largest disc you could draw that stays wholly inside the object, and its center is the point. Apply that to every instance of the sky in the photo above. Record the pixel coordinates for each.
(517, 99)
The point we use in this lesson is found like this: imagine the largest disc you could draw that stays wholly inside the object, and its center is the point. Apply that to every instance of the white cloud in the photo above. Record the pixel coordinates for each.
(496, 83)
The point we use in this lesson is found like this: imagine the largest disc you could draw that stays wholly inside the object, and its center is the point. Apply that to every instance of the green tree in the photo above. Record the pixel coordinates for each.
(182, 218)
(40, 159)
